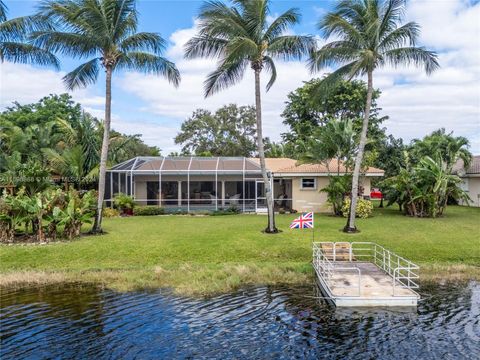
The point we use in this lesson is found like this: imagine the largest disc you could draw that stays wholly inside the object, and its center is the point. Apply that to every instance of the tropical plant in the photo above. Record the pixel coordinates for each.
(363, 210)
(45, 213)
(336, 190)
(450, 148)
(241, 36)
(334, 140)
(370, 35)
(105, 31)
(124, 202)
(78, 210)
(423, 190)
(13, 44)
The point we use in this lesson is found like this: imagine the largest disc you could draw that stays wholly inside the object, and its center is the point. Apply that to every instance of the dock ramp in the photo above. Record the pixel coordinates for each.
(364, 274)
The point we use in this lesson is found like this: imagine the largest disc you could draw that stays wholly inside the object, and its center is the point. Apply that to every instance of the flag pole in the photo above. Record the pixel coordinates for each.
(313, 228)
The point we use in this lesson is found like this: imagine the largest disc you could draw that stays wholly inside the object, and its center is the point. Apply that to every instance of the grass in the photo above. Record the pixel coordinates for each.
(204, 255)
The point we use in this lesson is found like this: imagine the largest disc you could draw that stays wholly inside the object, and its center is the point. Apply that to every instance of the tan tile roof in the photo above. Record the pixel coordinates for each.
(474, 167)
(291, 166)
(274, 164)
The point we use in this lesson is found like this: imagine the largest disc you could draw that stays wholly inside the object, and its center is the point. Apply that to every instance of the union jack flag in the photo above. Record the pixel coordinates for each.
(304, 221)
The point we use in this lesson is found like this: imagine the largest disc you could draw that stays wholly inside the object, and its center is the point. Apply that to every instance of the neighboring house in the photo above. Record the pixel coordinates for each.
(471, 179)
(212, 183)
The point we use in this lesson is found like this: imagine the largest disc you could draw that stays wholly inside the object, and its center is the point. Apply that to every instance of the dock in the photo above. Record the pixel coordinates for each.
(364, 274)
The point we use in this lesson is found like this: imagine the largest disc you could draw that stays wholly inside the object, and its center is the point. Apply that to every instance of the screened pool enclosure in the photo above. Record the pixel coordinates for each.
(196, 184)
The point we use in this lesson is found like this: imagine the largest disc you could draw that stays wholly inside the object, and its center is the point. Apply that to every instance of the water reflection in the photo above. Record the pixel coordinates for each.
(264, 322)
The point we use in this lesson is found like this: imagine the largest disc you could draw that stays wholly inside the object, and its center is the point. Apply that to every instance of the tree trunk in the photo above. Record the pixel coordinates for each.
(261, 154)
(97, 226)
(350, 227)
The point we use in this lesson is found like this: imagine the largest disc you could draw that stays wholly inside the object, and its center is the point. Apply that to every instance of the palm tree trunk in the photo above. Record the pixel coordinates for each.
(97, 226)
(261, 154)
(350, 227)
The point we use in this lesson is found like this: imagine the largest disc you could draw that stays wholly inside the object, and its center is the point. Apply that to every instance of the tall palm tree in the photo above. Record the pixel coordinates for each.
(370, 36)
(13, 45)
(240, 36)
(106, 32)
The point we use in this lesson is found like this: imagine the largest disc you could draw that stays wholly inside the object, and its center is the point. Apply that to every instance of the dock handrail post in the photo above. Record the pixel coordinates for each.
(393, 279)
(334, 251)
(350, 253)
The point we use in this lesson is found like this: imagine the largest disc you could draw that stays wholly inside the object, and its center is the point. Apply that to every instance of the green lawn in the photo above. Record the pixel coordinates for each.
(199, 254)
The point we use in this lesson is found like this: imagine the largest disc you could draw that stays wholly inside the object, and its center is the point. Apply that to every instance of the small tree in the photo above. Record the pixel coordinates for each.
(370, 36)
(106, 32)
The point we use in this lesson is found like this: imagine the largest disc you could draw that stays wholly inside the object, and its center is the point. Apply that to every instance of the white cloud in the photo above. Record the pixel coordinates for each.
(27, 84)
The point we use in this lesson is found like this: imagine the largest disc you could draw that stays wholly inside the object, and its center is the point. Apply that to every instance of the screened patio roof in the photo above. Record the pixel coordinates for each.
(187, 165)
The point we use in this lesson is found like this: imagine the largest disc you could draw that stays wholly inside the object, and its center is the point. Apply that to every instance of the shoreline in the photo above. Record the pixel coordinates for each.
(203, 280)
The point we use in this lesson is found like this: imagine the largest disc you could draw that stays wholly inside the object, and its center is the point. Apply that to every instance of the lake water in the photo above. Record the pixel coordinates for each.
(257, 323)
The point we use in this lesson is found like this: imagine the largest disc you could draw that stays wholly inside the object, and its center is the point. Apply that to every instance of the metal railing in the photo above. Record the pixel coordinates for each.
(326, 269)
(404, 273)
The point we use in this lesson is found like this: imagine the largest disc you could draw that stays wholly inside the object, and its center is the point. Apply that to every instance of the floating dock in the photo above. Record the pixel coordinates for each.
(364, 274)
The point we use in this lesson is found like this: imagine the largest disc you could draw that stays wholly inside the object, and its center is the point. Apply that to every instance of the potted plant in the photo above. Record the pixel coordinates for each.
(124, 203)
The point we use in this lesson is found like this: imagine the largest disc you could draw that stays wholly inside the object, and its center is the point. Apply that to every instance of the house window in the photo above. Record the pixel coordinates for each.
(308, 183)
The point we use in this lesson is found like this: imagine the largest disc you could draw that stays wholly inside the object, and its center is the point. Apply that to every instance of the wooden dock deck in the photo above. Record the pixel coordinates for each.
(386, 280)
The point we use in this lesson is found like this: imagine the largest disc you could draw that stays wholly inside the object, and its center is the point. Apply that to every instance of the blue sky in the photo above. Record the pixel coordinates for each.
(148, 105)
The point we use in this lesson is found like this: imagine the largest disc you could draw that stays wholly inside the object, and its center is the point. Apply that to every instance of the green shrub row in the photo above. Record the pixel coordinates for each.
(148, 210)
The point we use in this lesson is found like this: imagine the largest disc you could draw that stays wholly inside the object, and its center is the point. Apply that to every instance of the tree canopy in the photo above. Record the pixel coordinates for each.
(229, 131)
(305, 112)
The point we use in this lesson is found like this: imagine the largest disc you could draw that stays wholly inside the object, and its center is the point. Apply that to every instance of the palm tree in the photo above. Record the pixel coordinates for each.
(106, 32)
(12, 40)
(370, 36)
(240, 36)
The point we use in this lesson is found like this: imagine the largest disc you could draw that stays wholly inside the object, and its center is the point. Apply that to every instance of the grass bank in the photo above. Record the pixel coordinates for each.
(204, 255)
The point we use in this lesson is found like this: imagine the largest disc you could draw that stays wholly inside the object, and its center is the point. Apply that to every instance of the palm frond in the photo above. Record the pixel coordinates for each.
(270, 67)
(77, 45)
(334, 24)
(391, 15)
(334, 53)
(217, 19)
(83, 75)
(17, 29)
(417, 56)
(3, 11)
(27, 53)
(331, 81)
(144, 41)
(291, 46)
(281, 24)
(226, 75)
(254, 14)
(240, 48)
(205, 46)
(150, 64)
(404, 35)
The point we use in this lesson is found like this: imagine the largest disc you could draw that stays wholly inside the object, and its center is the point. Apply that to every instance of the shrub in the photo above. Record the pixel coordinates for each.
(363, 210)
(110, 212)
(123, 201)
(148, 210)
(232, 210)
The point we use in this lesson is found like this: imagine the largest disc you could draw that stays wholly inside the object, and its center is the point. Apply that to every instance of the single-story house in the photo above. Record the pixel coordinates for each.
(212, 183)
(471, 179)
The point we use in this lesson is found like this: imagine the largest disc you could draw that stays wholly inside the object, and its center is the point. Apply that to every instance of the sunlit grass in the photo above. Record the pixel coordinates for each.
(219, 253)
